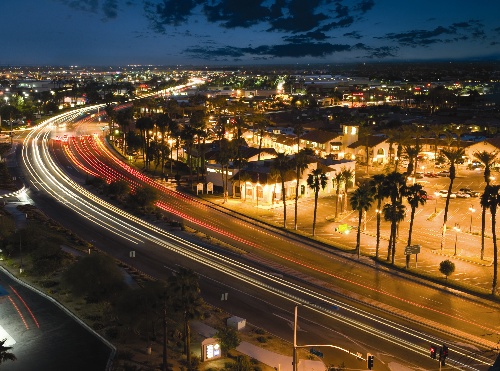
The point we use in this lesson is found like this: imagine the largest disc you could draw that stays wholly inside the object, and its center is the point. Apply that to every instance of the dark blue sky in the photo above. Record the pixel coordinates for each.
(172, 32)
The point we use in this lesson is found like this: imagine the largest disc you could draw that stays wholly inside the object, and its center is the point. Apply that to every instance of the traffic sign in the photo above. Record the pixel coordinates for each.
(413, 249)
(316, 352)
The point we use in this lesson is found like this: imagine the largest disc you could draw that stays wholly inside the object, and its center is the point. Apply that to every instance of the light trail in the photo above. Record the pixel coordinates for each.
(62, 188)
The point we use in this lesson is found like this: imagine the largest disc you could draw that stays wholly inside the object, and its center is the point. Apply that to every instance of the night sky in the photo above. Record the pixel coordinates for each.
(223, 32)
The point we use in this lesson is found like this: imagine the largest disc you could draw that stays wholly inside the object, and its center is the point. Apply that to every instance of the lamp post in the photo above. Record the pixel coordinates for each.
(472, 210)
(457, 229)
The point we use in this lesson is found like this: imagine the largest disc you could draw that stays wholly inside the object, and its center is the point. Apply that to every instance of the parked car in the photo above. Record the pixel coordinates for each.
(419, 175)
(470, 192)
(428, 196)
(444, 193)
(431, 175)
(444, 173)
(463, 195)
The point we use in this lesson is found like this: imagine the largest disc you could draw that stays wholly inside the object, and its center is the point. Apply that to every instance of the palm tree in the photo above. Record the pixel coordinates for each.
(145, 124)
(347, 177)
(162, 123)
(361, 200)
(186, 289)
(300, 165)
(412, 152)
(415, 196)
(380, 192)
(5, 355)
(337, 182)
(487, 159)
(396, 189)
(282, 164)
(491, 199)
(316, 180)
(453, 155)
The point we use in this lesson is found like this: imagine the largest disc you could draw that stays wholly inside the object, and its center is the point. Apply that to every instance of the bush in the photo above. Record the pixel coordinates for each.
(447, 267)
(260, 331)
(261, 339)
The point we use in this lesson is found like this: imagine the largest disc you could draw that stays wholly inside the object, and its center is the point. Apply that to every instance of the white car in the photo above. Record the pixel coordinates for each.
(444, 193)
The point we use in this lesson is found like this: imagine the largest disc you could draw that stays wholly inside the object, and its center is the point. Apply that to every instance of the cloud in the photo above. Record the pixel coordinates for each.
(289, 16)
(353, 34)
(364, 6)
(169, 12)
(460, 31)
(293, 50)
(310, 36)
(109, 8)
(233, 14)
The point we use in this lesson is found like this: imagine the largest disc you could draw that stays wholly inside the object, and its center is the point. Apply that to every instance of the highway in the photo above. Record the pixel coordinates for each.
(362, 308)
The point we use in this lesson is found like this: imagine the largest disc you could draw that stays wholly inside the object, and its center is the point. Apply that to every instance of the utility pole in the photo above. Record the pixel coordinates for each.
(164, 368)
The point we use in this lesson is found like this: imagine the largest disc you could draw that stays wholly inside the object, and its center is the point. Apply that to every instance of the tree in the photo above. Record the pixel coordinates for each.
(282, 164)
(119, 188)
(337, 182)
(186, 289)
(145, 124)
(300, 162)
(228, 338)
(347, 177)
(487, 159)
(380, 192)
(162, 123)
(491, 199)
(447, 267)
(360, 201)
(453, 155)
(94, 276)
(242, 364)
(317, 180)
(5, 355)
(144, 197)
(394, 213)
(415, 196)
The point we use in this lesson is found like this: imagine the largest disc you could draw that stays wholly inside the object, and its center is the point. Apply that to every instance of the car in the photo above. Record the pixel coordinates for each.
(470, 192)
(419, 175)
(444, 173)
(444, 193)
(428, 196)
(463, 195)
(431, 175)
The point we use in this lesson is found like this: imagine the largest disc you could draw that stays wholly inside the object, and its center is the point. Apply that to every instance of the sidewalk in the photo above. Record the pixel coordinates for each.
(272, 359)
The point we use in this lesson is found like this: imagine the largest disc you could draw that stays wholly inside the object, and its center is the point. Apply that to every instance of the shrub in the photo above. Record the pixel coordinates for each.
(447, 267)
(260, 331)
(261, 339)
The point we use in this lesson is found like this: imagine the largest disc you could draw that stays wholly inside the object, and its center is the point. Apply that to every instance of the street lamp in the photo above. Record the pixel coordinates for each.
(457, 229)
(472, 210)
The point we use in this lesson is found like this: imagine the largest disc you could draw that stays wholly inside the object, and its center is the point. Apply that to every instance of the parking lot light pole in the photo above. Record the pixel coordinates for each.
(457, 229)
(472, 210)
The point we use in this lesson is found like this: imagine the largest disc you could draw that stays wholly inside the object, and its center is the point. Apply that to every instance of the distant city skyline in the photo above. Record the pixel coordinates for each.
(230, 32)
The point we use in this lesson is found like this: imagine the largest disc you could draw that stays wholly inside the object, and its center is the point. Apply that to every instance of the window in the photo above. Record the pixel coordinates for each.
(335, 148)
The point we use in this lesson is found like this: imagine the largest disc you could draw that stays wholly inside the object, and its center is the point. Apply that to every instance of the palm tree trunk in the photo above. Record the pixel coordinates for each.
(315, 210)
(483, 227)
(495, 252)
(358, 236)
(284, 201)
(445, 219)
(393, 252)
(378, 228)
(409, 236)
(390, 243)
(297, 202)
(336, 206)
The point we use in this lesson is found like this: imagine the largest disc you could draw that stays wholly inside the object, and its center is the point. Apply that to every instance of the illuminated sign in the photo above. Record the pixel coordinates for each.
(213, 350)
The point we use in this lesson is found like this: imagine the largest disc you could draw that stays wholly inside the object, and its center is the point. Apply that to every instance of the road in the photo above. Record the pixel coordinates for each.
(373, 291)
(43, 335)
